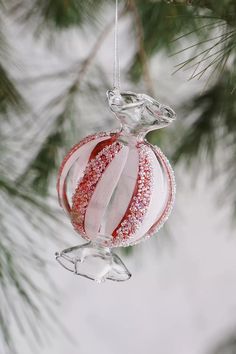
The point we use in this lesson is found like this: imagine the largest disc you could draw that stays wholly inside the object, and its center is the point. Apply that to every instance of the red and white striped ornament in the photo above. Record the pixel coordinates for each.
(116, 188)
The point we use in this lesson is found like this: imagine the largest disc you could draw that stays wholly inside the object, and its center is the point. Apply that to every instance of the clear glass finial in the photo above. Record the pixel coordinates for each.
(94, 261)
(139, 112)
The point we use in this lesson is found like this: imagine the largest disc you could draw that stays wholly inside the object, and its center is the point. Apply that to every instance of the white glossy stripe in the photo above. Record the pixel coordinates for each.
(124, 192)
(159, 194)
(170, 186)
(80, 158)
(103, 193)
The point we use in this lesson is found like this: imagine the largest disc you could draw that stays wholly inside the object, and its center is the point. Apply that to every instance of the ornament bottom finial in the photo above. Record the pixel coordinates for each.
(94, 262)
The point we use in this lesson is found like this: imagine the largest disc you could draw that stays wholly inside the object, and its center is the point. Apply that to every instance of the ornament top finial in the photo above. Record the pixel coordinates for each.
(139, 112)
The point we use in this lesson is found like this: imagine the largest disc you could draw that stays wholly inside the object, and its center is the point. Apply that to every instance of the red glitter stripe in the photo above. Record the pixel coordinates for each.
(100, 146)
(72, 151)
(140, 200)
(89, 181)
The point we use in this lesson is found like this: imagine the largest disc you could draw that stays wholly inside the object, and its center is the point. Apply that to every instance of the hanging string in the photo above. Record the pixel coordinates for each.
(116, 69)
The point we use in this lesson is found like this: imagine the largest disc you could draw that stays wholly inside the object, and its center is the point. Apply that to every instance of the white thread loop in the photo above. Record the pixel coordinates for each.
(116, 69)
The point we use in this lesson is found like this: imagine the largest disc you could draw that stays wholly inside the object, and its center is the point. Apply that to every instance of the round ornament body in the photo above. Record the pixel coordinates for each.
(116, 190)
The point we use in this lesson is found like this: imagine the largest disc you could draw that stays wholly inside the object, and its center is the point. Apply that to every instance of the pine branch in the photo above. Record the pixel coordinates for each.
(58, 14)
(10, 98)
(19, 259)
(219, 57)
(161, 23)
(225, 346)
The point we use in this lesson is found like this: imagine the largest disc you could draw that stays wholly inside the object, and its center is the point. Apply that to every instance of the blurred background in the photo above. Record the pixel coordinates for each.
(56, 63)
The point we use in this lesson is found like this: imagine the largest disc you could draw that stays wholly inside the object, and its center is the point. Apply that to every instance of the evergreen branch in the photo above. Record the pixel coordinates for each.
(204, 41)
(226, 345)
(58, 14)
(207, 57)
(185, 62)
(226, 13)
(16, 258)
(222, 51)
(213, 131)
(44, 164)
(205, 26)
(9, 95)
(15, 191)
(197, 65)
(218, 59)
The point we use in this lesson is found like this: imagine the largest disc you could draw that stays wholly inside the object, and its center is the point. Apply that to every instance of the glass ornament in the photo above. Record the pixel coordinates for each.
(116, 188)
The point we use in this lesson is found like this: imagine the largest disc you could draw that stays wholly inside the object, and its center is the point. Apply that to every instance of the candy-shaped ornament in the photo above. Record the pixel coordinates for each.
(116, 188)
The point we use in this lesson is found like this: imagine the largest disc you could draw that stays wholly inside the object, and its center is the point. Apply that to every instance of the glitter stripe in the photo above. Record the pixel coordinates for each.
(69, 155)
(88, 183)
(140, 201)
